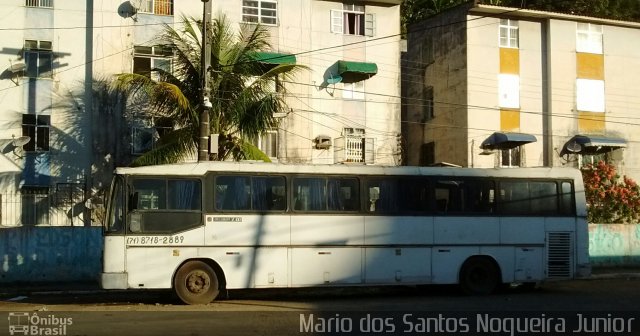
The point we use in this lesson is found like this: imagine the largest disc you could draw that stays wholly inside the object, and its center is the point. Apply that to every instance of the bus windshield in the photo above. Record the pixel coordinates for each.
(115, 217)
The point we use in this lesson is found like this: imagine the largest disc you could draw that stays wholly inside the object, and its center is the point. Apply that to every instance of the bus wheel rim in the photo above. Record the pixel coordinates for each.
(198, 282)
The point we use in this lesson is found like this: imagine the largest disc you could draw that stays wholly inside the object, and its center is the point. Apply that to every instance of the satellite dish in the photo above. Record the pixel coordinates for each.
(573, 147)
(129, 9)
(334, 80)
(17, 67)
(21, 141)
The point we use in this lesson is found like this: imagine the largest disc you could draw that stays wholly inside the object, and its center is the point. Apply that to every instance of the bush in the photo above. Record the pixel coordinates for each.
(610, 200)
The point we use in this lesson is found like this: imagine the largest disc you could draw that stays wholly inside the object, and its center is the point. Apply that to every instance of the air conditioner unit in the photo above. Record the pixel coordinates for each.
(322, 142)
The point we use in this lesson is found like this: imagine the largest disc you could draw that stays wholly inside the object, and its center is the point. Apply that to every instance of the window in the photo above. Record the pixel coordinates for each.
(589, 38)
(509, 91)
(325, 194)
(142, 139)
(474, 196)
(161, 194)
(382, 195)
(268, 143)
(159, 7)
(508, 33)
(566, 199)
(115, 215)
(413, 195)
(40, 3)
(510, 157)
(36, 128)
(354, 144)
(353, 90)
(260, 11)
(151, 61)
(38, 57)
(35, 205)
(68, 194)
(428, 153)
(528, 198)
(590, 95)
(257, 193)
(160, 205)
(352, 20)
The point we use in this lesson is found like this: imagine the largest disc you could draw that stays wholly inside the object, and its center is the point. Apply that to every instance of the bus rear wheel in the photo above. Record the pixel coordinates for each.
(196, 283)
(479, 276)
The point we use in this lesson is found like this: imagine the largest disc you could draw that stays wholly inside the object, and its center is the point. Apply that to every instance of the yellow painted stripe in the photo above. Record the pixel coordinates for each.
(510, 61)
(590, 66)
(591, 122)
(510, 120)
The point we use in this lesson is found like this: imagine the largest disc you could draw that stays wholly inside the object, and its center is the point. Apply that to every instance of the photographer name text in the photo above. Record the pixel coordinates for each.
(476, 324)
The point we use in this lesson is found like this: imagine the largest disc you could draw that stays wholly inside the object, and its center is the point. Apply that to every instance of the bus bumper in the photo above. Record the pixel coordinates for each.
(113, 280)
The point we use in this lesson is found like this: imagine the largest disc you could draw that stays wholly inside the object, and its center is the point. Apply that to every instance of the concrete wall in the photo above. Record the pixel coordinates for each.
(614, 244)
(50, 254)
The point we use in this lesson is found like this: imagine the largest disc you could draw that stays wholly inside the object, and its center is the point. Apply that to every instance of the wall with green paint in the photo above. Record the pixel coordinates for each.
(614, 245)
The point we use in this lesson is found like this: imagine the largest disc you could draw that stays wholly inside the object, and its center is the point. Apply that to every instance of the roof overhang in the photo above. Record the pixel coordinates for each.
(592, 144)
(481, 9)
(507, 140)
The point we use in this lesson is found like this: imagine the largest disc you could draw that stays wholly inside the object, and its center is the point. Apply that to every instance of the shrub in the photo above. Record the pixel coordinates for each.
(610, 200)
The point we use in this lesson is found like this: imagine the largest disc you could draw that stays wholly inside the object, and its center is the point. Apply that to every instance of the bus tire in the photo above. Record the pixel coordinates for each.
(479, 276)
(196, 283)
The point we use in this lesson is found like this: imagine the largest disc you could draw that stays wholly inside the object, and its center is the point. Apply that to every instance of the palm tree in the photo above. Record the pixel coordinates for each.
(240, 89)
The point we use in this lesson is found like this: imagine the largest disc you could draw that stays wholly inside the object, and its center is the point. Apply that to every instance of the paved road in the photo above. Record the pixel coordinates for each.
(287, 312)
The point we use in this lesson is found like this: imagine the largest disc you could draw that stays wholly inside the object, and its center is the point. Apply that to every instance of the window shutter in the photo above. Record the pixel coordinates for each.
(370, 24)
(369, 151)
(337, 21)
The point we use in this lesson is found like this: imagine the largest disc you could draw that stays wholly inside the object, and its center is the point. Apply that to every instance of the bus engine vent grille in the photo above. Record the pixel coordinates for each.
(559, 247)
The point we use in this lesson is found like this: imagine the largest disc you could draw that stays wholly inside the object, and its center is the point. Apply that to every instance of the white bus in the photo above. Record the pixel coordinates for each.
(200, 228)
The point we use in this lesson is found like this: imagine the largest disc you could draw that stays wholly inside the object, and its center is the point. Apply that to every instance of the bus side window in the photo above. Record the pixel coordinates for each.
(382, 195)
(233, 193)
(566, 199)
(151, 194)
(514, 198)
(310, 194)
(268, 193)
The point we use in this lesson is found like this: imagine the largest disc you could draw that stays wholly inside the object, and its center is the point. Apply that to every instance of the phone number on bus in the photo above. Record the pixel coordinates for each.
(147, 240)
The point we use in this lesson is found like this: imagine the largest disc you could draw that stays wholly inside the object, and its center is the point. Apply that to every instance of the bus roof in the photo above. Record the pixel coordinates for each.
(201, 168)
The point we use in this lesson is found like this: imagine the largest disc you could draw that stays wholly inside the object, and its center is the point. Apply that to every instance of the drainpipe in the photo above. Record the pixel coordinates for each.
(547, 123)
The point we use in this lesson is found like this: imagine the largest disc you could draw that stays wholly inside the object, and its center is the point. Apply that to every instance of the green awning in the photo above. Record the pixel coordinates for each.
(274, 58)
(356, 71)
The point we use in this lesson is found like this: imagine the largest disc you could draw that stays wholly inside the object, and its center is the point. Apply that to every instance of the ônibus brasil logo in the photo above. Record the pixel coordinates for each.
(34, 324)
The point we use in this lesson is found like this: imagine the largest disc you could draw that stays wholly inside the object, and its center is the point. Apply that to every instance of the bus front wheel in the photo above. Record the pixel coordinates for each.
(196, 283)
(479, 276)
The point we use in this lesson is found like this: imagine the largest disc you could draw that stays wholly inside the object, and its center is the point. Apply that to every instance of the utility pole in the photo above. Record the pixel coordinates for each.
(205, 63)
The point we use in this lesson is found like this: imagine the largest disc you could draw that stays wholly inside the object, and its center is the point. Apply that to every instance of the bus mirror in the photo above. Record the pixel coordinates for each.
(133, 201)
(135, 222)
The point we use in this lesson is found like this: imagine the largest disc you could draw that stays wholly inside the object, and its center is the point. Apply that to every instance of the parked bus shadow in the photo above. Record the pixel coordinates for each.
(317, 295)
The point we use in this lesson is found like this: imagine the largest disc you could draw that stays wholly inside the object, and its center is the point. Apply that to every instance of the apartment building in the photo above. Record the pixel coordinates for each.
(64, 132)
(491, 86)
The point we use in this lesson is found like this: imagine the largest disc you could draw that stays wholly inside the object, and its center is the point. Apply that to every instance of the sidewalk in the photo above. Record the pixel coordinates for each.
(92, 287)
(615, 273)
